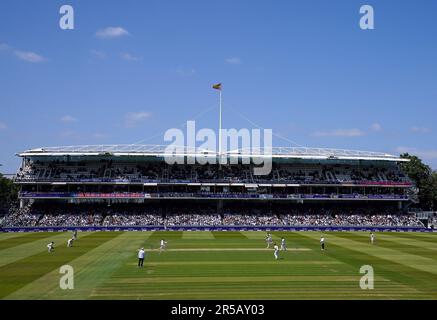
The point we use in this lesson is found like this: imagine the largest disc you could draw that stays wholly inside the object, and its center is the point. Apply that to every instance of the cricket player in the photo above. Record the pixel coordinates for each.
(275, 253)
(163, 245)
(70, 242)
(51, 246)
(141, 254)
(75, 235)
(322, 243)
(269, 240)
(283, 246)
(372, 238)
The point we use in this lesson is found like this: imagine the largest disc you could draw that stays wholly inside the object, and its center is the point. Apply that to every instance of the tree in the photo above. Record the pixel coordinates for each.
(424, 178)
(434, 188)
(8, 192)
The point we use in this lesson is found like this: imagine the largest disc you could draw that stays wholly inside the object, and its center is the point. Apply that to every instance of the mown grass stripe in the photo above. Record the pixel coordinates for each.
(16, 275)
(409, 246)
(429, 238)
(12, 254)
(255, 289)
(197, 235)
(125, 278)
(421, 263)
(254, 235)
(292, 239)
(387, 263)
(239, 279)
(23, 239)
(91, 269)
(109, 271)
(304, 263)
(228, 235)
(158, 235)
(10, 235)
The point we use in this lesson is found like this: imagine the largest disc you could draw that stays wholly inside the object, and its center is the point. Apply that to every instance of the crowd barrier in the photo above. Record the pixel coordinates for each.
(256, 181)
(215, 228)
(139, 195)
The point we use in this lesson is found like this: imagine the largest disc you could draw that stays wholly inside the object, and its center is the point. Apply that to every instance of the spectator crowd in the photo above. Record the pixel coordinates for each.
(105, 171)
(88, 215)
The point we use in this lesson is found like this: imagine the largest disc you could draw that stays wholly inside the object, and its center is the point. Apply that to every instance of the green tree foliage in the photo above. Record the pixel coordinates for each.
(8, 192)
(434, 188)
(425, 179)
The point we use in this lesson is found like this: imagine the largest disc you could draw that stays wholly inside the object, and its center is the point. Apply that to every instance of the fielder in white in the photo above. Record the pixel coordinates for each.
(269, 240)
(70, 242)
(283, 246)
(372, 238)
(51, 246)
(276, 252)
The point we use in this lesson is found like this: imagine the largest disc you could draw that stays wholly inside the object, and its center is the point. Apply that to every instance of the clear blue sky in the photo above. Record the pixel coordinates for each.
(302, 68)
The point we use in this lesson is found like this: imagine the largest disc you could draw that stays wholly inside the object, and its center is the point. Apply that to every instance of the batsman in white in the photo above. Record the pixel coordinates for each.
(163, 245)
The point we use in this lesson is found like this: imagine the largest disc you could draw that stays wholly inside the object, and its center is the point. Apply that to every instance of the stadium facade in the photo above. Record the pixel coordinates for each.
(139, 174)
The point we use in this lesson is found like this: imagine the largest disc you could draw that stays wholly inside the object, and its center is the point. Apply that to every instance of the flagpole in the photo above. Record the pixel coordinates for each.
(220, 123)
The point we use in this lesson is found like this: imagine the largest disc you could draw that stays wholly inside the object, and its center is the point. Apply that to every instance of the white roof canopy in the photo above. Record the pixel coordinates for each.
(160, 151)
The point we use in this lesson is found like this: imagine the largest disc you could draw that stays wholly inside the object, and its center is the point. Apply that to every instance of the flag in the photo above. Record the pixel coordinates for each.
(217, 86)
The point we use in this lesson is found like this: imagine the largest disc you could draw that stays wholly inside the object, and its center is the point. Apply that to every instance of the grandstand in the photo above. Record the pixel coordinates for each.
(133, 185)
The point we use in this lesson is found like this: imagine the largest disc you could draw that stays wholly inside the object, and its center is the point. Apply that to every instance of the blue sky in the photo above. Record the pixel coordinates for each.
(132, 69)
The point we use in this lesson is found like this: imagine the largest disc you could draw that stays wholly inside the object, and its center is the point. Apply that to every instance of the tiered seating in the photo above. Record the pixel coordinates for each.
(141, 215)
(159, 171)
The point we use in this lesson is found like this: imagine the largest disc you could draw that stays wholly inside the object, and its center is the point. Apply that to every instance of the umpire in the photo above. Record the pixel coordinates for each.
(141, 254)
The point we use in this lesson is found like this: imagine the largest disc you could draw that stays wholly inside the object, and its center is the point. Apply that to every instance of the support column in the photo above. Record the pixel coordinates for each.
(220, 206)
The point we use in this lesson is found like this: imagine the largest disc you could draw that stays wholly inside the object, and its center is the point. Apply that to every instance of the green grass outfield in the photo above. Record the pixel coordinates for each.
(218, 265)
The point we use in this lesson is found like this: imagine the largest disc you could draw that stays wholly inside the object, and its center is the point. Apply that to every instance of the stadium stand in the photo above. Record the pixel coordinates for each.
(108, 171)
(133, 185)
